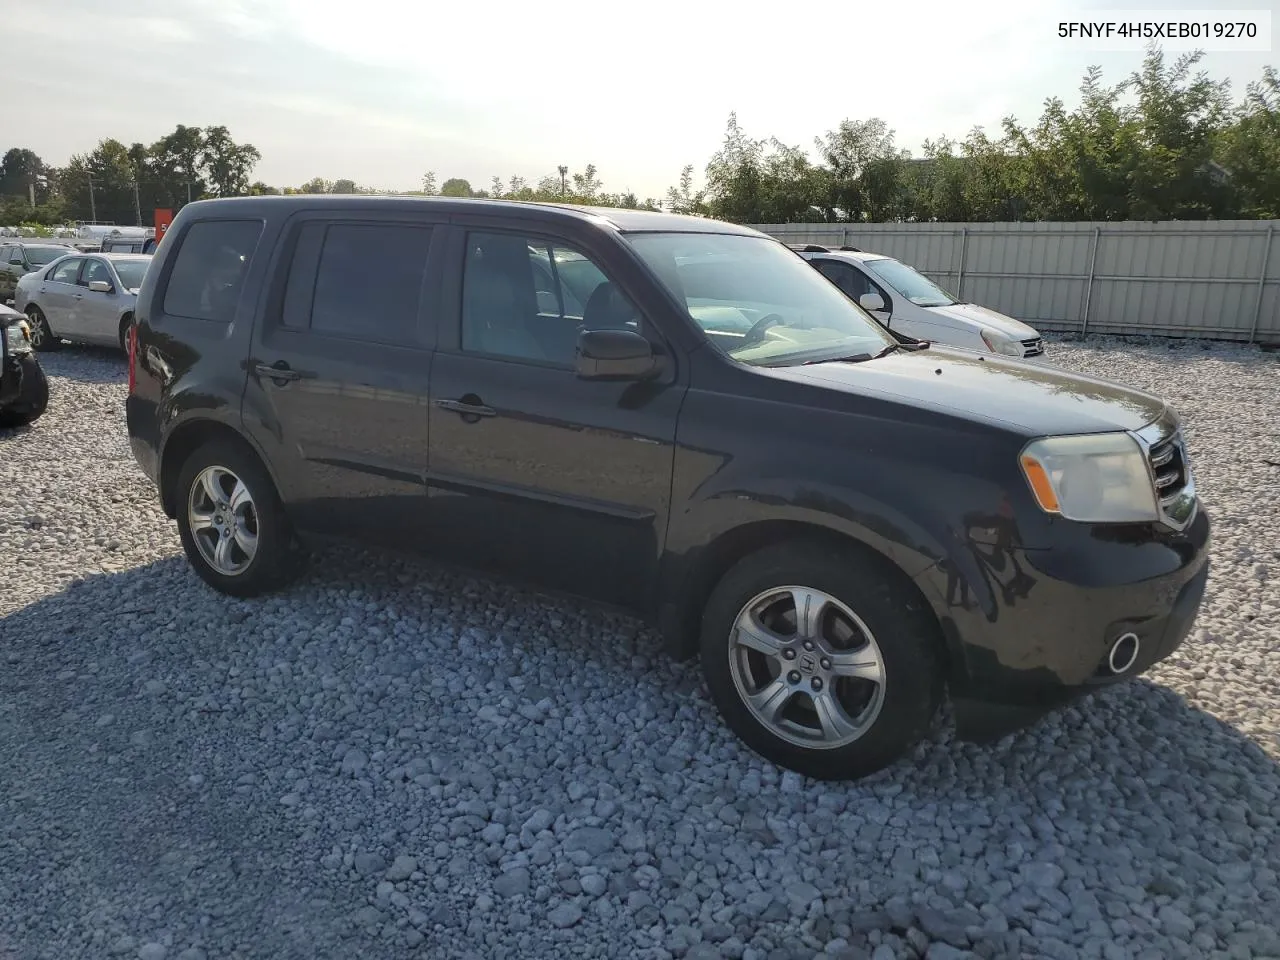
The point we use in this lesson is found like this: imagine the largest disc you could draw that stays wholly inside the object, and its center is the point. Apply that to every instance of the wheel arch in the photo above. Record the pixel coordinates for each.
(184, 440)
(680, 618)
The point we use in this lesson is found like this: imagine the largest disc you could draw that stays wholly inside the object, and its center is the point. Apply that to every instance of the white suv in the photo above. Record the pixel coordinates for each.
(908, 302)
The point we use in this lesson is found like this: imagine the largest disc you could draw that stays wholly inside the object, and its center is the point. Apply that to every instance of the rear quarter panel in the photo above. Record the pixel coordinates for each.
(191, 369)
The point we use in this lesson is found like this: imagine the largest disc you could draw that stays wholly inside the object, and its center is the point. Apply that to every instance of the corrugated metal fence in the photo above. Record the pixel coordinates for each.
(1217, 279)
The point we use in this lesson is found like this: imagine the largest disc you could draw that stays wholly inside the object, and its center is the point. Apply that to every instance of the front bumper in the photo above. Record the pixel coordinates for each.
(1036, 629)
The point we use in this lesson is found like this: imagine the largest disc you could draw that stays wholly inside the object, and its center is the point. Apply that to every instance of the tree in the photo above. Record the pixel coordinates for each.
(429, 183)
(176, 166)
(1177, 116)
(317, 185)
(343, 186)
(227, 163)
(21, 172)
(455, 187)
(683, 199)
(1250, 148)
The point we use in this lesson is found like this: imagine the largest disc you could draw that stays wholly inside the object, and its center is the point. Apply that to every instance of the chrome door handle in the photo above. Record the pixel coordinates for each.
(278, 371)
(467, 409)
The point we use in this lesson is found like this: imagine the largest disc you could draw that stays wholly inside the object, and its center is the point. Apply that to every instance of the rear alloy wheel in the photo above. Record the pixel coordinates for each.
(820, 660)
(42, 337)
(125, 324)
(232, 523)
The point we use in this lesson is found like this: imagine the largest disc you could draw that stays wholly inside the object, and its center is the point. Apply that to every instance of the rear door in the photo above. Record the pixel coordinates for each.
(339, 370)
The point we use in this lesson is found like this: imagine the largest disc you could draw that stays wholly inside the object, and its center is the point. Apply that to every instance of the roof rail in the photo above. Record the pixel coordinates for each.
(814, 248)
(850, 249)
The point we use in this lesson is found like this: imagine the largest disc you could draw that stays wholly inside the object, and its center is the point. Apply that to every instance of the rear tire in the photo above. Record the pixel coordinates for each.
(232, 523)
(820, 661)
(42, 336)
(125, 323)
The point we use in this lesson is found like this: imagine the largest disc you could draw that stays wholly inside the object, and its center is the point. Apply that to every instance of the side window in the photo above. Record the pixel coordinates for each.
(6, 254)
(95, 270)
(526, 299)
(67, 270)
(368, 283)
(209, 269)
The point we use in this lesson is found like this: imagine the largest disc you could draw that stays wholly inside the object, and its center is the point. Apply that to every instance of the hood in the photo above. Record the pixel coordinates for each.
(1033, 399)
(972, 315)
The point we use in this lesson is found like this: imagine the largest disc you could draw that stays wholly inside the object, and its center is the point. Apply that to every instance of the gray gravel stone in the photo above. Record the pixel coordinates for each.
(1139, 823)
(565, 915)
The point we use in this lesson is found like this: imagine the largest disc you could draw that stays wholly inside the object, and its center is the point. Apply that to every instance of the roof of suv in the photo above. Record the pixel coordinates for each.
(617, 217)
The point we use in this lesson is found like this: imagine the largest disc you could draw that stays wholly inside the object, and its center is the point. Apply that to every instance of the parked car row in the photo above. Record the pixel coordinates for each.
(680, 417)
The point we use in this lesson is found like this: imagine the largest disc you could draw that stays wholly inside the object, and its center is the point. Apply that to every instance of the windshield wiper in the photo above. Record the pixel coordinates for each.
(852, 358)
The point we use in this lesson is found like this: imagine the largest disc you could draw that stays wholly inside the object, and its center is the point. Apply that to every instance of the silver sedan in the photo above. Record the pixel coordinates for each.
(87, 298)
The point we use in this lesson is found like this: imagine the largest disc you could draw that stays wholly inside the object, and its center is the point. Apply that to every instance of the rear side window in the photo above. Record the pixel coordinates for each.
(367, 282)
(209, 269)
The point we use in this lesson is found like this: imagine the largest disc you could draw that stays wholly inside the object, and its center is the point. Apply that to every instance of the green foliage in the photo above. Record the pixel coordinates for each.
(1163, 143)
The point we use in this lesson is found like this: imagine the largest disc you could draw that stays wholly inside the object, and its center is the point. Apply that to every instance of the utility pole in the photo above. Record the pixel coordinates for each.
(564, 172)
(137, 204)
(31, 193)
(93, 206)
(188, 191)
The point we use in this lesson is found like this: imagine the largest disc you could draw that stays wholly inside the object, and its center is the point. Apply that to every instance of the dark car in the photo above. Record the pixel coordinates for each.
(24, 389)
(20, 257)
(698, 427)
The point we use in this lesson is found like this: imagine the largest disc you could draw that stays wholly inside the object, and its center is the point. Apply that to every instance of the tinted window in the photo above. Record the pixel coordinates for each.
(369, 281)
(209, 269)
(526, 299)
(95, 270)
(66, 272)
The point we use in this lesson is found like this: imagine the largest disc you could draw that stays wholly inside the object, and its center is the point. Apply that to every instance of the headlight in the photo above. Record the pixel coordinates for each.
(1001, 344)
(17, 338)
(1095, 478)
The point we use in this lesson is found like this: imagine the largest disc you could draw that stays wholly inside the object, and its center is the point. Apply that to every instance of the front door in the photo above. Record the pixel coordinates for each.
(97, 314)
(535, 472)
(337, 387)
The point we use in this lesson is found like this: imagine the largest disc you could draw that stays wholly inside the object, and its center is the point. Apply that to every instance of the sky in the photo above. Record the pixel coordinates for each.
(381, 91)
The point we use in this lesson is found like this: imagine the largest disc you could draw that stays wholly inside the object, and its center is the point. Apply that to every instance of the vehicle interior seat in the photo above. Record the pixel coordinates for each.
(494, 320)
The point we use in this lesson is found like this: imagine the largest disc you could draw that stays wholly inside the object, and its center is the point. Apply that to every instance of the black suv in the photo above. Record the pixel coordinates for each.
(677, 416)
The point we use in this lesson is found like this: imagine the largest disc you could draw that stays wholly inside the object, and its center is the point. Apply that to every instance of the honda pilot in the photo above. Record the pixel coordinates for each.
(679, 417)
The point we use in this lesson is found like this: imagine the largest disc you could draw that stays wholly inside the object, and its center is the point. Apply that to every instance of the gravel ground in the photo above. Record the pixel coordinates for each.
(390, 760)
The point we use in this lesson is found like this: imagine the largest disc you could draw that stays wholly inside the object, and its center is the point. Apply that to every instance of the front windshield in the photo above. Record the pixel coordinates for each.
(130, 272)
(757, 301)
(916, 287)
(39, 256)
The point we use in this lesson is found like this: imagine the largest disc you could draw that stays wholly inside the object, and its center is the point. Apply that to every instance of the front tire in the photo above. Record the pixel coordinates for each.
(32, 402)
(232, 523)
(42, 336)
(820, 661)
(125, 323)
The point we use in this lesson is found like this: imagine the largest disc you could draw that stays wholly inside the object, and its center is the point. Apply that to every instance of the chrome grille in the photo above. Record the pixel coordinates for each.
(1170, 472)
(1032, 347)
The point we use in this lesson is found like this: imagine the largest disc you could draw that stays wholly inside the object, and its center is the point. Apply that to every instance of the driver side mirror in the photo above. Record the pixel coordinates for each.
(99, 286)
(871, 302)
(615, 355)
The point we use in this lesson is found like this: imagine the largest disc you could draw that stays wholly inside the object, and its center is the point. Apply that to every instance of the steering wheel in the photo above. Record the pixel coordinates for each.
(756, 333)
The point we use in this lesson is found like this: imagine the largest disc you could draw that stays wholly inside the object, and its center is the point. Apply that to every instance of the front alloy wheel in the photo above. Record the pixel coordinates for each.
(807, 667)
(822, 658)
